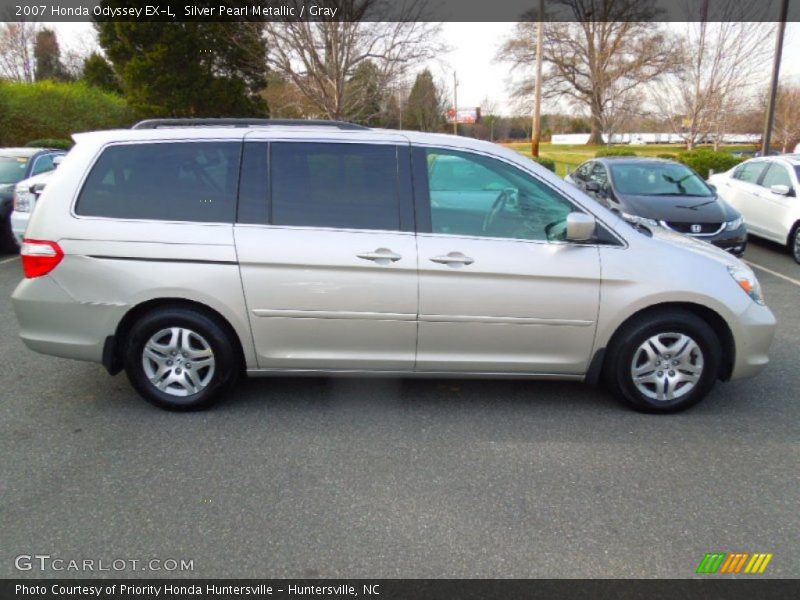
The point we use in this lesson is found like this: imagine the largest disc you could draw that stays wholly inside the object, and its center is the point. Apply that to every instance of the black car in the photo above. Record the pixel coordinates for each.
(17, 164)
(666, 193)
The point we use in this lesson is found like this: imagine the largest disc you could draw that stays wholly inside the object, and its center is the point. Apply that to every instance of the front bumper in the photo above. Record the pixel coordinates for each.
(734, 242)
(753, 331)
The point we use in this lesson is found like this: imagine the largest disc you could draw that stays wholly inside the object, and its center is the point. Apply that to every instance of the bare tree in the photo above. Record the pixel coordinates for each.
(722, 58)
(285, 101)
(17, 41)
(610, 48)
(321, 57)
(620, 109)
(787, 117)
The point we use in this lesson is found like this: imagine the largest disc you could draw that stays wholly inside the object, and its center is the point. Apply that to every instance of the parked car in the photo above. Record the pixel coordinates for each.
(752, 153)
(17, 164)
(764, 190)
(187, 252)
(666, 193)
(26, 192)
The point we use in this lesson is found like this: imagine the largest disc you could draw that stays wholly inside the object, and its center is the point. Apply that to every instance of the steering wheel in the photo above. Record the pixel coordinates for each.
(497, 207)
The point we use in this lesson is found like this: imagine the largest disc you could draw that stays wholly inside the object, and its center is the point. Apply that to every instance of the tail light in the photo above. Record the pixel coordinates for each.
(23, 200)
(39, 257)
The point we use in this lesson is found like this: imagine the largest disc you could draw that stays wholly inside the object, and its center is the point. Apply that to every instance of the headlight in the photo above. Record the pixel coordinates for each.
(735, 224)
(748, 282)
(639, 220)
(23, 200)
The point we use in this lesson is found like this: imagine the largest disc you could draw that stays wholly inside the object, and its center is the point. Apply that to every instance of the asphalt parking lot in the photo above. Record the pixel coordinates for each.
(400, 478)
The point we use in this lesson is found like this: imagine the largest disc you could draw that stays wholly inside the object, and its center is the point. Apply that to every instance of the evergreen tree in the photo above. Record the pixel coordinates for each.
(47, 57)
(365, 94)
(188, 69)
(99, 73)
(424, 109)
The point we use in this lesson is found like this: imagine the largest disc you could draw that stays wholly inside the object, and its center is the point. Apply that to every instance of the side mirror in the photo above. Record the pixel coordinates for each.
(781, 190)
(712, 186)
(580, 227)
(592, 186)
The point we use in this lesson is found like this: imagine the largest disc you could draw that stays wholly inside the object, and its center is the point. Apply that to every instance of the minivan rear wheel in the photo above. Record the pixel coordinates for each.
(664, 362)
(180, 359)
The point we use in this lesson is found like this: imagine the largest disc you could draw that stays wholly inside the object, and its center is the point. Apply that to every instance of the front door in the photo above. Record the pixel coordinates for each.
(328, 255)
(775, 208)
(495, 295)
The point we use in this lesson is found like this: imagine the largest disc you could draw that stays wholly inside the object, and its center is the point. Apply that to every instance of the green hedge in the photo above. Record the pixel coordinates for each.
(51, 143)
(50, 110)
(547, 163)
(703, 160)
(667, 156)
(614, 152)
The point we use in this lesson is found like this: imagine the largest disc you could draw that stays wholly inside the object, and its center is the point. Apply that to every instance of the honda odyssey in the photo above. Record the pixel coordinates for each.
(190, 252)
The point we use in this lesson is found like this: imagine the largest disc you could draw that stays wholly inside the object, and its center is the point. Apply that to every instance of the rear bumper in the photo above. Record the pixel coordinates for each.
(752, 333)
(52, 322)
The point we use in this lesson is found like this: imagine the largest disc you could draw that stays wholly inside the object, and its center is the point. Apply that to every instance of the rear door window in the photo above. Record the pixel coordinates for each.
(176, 181)
(749, 172)
(350, 186)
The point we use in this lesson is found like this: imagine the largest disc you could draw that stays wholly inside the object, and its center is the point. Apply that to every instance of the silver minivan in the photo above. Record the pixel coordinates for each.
(190, 252)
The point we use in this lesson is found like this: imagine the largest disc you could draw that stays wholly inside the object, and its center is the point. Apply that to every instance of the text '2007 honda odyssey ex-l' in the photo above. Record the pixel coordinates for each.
(188, 252)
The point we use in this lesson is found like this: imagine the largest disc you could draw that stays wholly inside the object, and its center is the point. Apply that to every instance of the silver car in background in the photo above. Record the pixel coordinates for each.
(189, 252)
(26, 193)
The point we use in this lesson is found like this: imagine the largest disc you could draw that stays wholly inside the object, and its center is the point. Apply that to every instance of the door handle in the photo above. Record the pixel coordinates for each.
(382, 256)
(453, 258)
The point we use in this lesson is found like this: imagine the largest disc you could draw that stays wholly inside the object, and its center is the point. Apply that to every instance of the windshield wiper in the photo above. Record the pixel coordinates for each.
(696, 206)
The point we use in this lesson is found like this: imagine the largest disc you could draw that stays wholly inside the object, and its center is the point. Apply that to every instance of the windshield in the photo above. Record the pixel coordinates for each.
(12, 169)
(658, 179)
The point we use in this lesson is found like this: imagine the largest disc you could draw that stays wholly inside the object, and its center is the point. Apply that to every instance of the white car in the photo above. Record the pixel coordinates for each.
(765, 191)
(26, 193)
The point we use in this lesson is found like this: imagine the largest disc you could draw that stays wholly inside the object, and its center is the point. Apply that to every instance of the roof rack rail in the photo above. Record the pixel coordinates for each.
(214, 122)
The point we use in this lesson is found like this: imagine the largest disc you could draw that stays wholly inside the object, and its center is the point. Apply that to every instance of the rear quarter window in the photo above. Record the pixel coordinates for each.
(180, 181)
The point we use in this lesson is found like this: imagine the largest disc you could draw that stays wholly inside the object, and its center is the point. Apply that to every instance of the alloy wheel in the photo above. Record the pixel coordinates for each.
(667, 366)
(178, 361)
(796, 247)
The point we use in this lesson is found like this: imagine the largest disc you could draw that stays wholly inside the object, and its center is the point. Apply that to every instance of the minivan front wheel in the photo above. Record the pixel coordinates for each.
(664, 362)
(180, 359)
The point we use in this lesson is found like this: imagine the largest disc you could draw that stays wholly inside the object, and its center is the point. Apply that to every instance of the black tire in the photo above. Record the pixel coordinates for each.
(8, 243)
(794, 243)
(626, 348)
(226, 358)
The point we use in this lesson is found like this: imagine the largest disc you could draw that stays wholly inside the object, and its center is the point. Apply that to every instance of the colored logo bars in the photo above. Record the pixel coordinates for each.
(721, 562)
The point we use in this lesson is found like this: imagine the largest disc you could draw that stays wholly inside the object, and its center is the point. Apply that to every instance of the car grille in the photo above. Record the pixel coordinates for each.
(691, 228)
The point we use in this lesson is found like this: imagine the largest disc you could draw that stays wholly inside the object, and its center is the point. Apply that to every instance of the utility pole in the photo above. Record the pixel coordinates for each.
(400, 106)
(536, 130)
(766, 139)
(455, 104)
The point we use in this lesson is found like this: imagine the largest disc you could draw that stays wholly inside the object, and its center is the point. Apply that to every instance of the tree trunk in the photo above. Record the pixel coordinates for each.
(596, 135)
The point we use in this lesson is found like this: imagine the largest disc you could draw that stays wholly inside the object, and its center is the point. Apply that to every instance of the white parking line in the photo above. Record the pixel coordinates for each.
(771, 272)
(8, 260)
